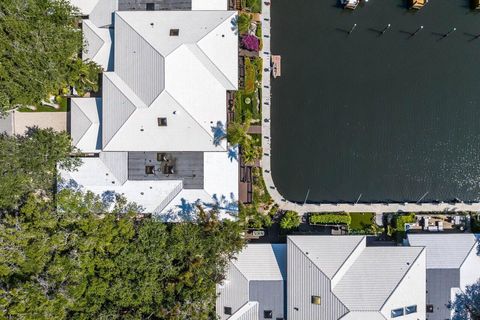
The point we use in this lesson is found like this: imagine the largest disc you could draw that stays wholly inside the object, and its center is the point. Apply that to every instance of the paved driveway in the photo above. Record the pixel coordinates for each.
(43, 120)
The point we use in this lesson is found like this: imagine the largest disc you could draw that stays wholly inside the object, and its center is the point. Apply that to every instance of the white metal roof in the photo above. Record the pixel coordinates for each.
(363, 315)
(85, 123)
(444, 251)
(327, 253)
(85, 6)
(249, 311)
(374, 275)
(156, 75)
(98, 44)
(264, 262)
(182, 78)
(209, 4)
(98, 11)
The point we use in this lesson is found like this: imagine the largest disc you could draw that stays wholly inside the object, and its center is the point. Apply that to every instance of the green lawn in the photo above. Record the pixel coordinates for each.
(361, 221)
(244, 110)
(63, 108)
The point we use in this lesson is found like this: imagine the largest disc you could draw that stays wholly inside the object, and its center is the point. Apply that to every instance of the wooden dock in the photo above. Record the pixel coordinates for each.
(276, 66)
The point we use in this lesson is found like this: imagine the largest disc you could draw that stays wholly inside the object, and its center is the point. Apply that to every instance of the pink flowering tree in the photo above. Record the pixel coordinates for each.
(251, 42)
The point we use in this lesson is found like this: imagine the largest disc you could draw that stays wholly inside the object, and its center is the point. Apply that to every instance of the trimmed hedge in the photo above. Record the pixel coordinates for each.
(330, 218)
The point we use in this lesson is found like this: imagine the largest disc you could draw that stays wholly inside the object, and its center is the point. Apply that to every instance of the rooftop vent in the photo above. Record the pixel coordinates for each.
(227, 310)
(316, 300)
(174, 32)
(162, 122)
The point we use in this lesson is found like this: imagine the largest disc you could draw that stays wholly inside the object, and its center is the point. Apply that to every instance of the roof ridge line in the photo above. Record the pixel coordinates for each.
(475, 243)
(86, 116)
(403, 277)
(108, 167)
(142, 37)
(233, 13)
(351, 252)
(316, 267)
(96, 35)
(191, 116)
(121, 92)
(213, 64)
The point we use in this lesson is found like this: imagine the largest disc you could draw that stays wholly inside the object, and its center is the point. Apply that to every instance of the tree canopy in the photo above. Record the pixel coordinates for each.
(79, 261)
(28, 164)
(39, 46)
(467, 303)
(74, 255)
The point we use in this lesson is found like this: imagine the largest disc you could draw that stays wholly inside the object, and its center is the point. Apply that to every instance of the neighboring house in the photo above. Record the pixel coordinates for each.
(156, 135)
(255, 284)
(331, 277)
(452, 264)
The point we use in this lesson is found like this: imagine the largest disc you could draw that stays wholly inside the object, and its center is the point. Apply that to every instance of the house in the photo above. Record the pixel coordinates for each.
(452, 264)
(98, 15)
(332, 277)
(156, 136)
(255, 284)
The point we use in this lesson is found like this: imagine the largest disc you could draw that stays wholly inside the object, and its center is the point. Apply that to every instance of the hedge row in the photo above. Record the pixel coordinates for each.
(330, 218)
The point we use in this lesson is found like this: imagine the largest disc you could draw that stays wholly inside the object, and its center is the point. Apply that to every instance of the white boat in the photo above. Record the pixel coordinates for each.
(350, 4)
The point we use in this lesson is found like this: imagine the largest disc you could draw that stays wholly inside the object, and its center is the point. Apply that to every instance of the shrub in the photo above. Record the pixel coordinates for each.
(243, 22)
(401, 219)
(290, 220)
(251, 43)
(330, 218)
(254, 5)
(250, 76)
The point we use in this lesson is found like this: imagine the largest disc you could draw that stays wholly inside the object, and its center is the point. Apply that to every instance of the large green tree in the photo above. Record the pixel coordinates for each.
(28, 164)
(78, 260)
(39, 46)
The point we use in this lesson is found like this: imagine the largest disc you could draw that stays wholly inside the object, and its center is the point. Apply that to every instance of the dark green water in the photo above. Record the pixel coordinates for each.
(390, 117)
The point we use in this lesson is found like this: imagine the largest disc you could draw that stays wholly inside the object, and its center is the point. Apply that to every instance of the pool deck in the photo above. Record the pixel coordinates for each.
(308, 207)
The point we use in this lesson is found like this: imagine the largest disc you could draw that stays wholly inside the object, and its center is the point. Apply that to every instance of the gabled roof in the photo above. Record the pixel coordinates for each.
(445, 251)
(98, 44)
(349, 276)
(327, 253)
(249, 311)
(105, 174)
(363, 315)
(98, 11)
(263, 262)
(374, 276)
(182, 78)
(85, 123)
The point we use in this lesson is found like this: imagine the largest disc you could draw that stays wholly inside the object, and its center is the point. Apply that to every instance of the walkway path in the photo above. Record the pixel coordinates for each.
(266, 144)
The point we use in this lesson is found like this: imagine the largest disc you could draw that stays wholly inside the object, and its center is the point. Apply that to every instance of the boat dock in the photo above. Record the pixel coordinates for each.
(276, 66)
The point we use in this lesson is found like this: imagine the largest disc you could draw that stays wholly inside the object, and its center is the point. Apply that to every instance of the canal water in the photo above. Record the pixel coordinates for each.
(384, 117)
